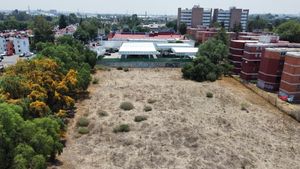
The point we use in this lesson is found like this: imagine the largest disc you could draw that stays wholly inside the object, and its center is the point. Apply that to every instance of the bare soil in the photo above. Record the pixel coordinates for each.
(185, 129)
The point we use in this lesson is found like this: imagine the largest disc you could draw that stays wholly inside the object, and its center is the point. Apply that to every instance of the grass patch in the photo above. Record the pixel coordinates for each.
(151, 101)
(244, 106)
(95, 81)
(83, 130)
(101, 67)
(147, 108)
(83, 122)
(140, 118)
(209, 95)
(126, 70)
(119, 68)
(102, 113)
(126, 106)
(122, 128)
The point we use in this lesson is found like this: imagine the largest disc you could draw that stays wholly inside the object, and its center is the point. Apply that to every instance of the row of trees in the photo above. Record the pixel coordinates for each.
(36, 97)
(212, 60)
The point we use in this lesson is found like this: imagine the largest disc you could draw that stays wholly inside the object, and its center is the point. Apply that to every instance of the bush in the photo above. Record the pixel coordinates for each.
(211, 77)
(83, 130)
(151, 101)
(126, 70)
(209, 95)
(244, 106)
(102, 113)
(122, 128)
(140, 118)
(147, 108)
(119, 68)
(95, 81)
(126, 106)
(83, 122)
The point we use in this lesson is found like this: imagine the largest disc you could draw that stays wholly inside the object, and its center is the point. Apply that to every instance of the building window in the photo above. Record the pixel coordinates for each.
(282, 53)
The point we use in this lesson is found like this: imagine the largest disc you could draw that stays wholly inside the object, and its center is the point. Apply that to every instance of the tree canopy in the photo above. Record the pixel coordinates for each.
(289, 31)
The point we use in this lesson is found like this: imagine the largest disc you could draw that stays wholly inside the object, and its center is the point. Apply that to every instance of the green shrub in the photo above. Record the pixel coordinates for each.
(95, 81)
(122, 128)
(83, 122)
(209, 95)
(147, 108)
(244, 106)
(126, 106)
(126, 70)
(211, 77)
(151, 101)
(119, 68)
(102, 113)
(83, 130)
(140, 118)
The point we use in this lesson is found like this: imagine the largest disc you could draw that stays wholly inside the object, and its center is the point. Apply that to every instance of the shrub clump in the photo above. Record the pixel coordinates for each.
(119, 68)
(126, 70)
(244, 106)
(140, 118)
(126, 106)
(95, 81)
(83, 130)
(211, 77)
(122, 128)
(83, 122)
(102, 113)
(151, 101)
(147, 108)
(209, 95)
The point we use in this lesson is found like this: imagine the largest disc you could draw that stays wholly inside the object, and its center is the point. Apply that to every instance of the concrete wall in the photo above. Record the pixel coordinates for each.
(137, 64)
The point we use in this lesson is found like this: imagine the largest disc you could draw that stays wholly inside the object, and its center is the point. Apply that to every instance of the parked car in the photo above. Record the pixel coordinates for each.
(107, 54)
(3, 54)
(28, 54)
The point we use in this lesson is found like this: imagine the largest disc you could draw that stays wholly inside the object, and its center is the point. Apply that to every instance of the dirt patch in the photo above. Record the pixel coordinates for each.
(185, 129)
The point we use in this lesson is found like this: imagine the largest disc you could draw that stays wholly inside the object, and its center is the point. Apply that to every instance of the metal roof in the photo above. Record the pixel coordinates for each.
(184, 51)
(138, 48)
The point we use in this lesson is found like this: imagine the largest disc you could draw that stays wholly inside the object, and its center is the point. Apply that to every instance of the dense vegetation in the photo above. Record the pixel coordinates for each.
(36, 97)
(212, 60)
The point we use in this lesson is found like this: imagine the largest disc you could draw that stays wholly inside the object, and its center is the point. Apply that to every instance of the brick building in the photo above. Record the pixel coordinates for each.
(194, 17)
(236, 53)
(271, 68)
(290, 79)
(252, 57)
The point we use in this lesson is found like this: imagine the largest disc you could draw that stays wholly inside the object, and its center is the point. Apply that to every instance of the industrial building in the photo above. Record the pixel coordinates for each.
(231, 18)
(236, 53)
(194, 17)
(290, 79)
(271, 68)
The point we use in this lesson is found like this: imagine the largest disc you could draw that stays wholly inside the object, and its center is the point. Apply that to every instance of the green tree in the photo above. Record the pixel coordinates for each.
(43, 31)
(223, 36)
(257, 23)
(289, 31)
(72, 18)
(182, 28)
(62, 22)
(215, 50)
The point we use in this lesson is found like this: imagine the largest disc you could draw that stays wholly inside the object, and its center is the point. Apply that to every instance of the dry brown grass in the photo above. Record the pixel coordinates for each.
(184, 130)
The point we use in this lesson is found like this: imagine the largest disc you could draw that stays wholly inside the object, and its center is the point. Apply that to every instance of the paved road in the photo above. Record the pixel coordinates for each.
(11, 60)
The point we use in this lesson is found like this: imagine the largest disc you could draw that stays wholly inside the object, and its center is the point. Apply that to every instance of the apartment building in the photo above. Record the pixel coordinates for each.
(290, 80)
(231, 18)
(2, 44)
(194, 17)
(236, 53)
(21, 45)
(271, 68)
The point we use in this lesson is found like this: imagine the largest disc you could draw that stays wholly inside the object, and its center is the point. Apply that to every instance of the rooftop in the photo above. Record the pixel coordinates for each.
(138, 48)
(138, 36)
(294, 54)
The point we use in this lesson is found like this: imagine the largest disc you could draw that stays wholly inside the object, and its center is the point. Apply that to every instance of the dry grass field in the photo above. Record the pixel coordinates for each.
(184, 130)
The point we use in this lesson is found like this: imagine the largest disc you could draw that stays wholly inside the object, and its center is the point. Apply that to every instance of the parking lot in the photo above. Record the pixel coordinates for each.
(11, 60)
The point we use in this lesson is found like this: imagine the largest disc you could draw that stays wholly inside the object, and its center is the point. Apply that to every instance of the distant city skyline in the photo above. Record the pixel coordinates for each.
(166, 7)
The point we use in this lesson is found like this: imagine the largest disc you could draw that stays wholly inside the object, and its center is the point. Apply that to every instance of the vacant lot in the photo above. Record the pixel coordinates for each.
(185, 129)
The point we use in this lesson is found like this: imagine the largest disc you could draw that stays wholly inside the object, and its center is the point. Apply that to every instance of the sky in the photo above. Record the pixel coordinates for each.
(161, 7)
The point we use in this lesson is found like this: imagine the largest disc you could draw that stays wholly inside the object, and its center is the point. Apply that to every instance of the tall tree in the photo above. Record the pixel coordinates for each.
(182, 28)
(62, 22)
(289, 31)
(43, 30)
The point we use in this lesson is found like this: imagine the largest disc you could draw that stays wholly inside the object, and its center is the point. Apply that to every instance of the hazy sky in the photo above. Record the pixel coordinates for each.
(152, 6)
